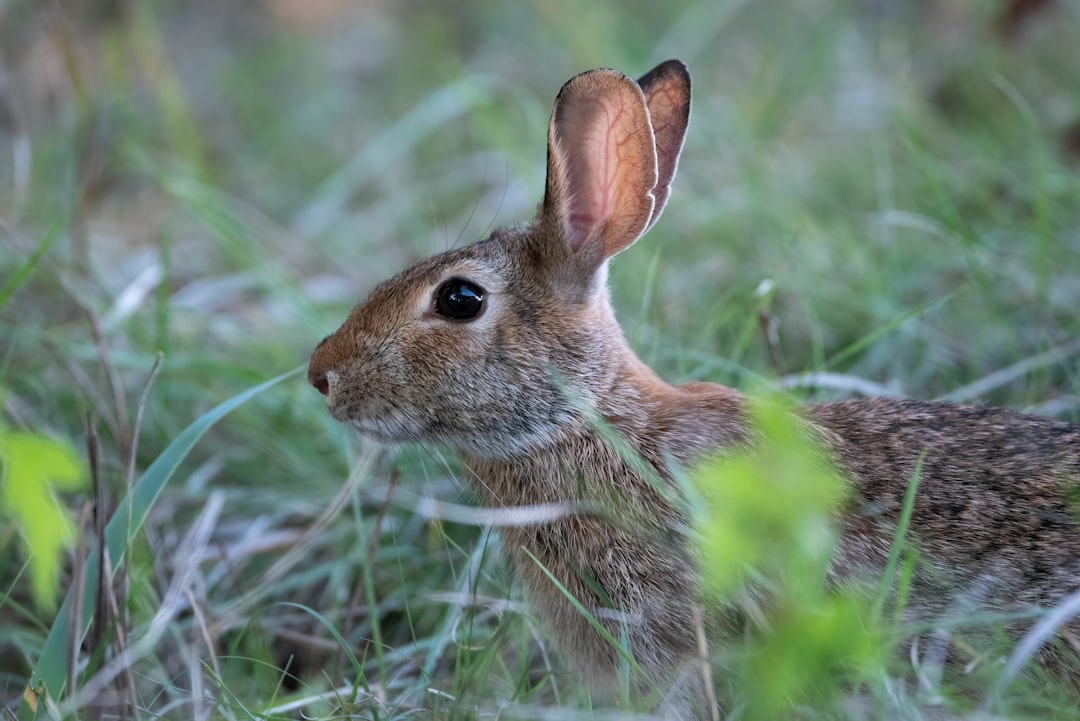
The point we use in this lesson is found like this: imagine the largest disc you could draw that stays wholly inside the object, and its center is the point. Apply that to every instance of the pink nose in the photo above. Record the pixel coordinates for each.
(328, 356)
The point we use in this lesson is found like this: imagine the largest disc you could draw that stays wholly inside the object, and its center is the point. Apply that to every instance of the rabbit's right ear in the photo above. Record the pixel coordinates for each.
(601, 168)
(667, 93)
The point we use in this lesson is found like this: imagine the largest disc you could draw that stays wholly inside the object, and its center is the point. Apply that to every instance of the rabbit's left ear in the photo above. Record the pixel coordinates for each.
(667, 93)
(601, 167)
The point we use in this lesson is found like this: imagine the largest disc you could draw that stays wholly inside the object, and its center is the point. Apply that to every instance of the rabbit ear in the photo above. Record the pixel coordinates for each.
(667, 93)
(601, 165)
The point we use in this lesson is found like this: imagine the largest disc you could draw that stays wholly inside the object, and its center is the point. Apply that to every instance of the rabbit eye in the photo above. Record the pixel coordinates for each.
(458, 299)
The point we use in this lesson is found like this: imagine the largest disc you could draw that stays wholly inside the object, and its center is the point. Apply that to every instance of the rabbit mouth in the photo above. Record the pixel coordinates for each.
(496, 444)
(385, 429)
(372, 428)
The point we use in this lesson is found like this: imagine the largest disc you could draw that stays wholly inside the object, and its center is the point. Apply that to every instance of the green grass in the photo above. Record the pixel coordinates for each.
(222, 181)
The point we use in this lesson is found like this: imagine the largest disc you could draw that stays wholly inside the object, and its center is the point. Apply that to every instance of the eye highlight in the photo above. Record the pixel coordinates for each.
(459, 299)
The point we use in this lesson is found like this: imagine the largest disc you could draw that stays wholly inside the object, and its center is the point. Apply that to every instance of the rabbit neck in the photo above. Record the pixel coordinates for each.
(595, 508)
(638, 429)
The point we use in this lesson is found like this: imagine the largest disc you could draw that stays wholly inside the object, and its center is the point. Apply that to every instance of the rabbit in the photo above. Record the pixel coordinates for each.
(508, 352)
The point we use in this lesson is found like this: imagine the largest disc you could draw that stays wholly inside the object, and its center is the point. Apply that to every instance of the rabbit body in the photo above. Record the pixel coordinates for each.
(508, 351)
(992, 518)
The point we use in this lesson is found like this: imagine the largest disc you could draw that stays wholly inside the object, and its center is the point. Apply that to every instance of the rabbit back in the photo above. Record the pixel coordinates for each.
(995, 516)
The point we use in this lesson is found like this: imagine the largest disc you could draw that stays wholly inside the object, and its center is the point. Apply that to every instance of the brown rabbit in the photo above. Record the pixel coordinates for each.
(508, 351)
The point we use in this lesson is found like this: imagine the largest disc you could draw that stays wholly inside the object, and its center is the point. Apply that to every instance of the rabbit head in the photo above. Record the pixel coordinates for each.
(493, 348)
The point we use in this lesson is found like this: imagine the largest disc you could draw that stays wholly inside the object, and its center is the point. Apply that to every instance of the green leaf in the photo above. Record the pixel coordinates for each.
(33, 468)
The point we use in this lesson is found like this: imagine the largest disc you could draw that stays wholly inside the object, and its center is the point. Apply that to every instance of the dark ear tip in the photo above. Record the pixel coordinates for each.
(674, 65)
(669, 68)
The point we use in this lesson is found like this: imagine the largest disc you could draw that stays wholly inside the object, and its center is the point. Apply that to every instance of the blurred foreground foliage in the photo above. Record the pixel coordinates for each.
(32, 470)
(766, 534)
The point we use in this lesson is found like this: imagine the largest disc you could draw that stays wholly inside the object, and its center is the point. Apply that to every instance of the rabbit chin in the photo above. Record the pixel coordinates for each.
(495, 443)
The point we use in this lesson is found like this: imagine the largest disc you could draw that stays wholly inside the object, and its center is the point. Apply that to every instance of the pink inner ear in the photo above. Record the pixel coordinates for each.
(610, 166)
(589, 132)
(663, 105)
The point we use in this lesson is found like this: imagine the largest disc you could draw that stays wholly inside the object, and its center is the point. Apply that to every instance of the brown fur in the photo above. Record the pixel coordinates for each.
(524, 390)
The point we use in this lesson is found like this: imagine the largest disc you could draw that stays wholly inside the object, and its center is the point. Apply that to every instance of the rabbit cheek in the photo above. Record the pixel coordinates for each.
(370, 394)
(445, 367)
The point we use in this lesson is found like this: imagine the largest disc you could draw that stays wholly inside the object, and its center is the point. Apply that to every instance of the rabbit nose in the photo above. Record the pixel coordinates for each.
(329, 359)
(316, 368)
(319, 381)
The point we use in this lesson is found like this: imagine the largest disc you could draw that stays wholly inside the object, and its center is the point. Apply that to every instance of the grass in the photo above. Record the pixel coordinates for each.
(893, 190)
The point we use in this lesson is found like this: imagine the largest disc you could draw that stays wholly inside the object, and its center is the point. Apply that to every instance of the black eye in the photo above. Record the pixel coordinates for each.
(458, 299)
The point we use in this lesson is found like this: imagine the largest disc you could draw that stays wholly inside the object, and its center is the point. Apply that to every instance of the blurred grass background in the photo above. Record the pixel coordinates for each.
(880, 193)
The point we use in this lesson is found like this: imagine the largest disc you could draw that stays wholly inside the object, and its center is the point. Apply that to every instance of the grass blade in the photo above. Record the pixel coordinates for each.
(26, 268)
(899, 542)
(51, 671)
